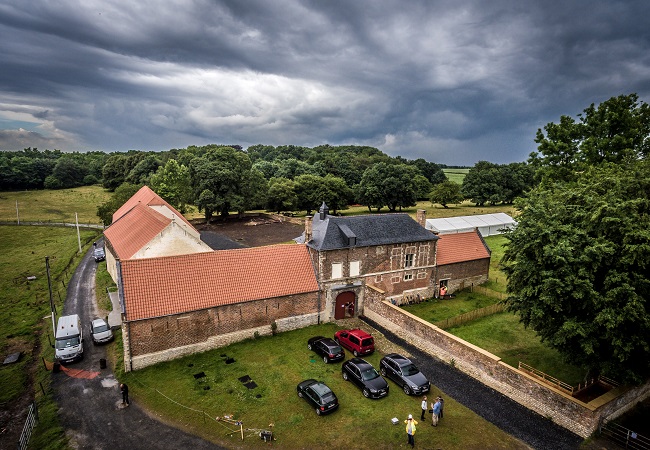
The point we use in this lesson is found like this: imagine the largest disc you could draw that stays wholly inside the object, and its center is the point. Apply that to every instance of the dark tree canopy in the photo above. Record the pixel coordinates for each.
(578, 266)
(616, 131)
(445, 193)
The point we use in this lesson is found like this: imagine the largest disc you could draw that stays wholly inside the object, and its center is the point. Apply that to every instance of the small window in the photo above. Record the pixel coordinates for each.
(354, 268)
(337, 270)
(408, 276)
(409, 258)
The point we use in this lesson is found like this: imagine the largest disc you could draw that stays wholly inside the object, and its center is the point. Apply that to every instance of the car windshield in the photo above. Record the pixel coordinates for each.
(335, 350)
(366, 342)
(369, 374)
(67, 342)
(100, 328)
(321, 390)
(409, 369)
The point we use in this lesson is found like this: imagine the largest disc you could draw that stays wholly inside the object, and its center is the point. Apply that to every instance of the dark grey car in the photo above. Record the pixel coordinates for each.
(365, 376)
(328, 348)
(402, 371)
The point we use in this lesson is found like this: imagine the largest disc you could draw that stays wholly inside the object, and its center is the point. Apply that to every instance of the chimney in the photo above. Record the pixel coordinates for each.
(324, 211)
(308, 225)
(421, 217)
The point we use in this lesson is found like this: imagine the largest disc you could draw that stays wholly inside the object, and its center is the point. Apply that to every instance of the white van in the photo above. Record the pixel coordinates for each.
(69, 339)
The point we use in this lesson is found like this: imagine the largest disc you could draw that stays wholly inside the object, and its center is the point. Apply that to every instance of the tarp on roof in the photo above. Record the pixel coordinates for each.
(487, 224)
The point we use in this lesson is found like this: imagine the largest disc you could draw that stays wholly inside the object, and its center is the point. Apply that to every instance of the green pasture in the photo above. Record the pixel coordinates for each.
(277, 364)
(53, 205)
(455, 175)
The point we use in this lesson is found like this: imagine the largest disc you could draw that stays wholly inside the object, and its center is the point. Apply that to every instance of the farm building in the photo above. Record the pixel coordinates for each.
(179, 297)
(487, 224)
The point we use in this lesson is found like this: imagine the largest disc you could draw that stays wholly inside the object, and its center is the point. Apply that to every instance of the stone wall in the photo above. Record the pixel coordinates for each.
(149, 341)
(581, 418)
(465, 274)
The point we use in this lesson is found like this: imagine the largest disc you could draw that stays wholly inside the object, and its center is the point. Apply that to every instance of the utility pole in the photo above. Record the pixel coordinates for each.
(76, 219)
(17, 215)
(49, 285)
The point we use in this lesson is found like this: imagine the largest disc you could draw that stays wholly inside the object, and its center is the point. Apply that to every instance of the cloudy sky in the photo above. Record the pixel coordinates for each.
(453, 82)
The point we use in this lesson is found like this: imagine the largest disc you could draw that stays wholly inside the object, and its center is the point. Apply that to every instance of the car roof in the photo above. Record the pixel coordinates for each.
(99, 321)
(359, 362)
(359, 333)
(399, 359)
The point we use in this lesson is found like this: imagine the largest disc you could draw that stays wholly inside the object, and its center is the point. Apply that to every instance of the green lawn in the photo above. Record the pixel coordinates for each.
(277, 364)
(497, 280)
(435, 310)
(455, 175)
(53, 205)
(503, 335)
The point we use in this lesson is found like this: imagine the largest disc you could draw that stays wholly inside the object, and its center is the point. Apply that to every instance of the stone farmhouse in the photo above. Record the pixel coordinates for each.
(178, 296)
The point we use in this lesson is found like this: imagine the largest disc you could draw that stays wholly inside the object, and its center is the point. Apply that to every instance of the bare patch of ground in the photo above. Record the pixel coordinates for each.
(253, 231)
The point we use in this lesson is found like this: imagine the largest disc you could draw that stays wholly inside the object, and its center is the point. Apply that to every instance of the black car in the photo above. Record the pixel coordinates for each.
(361, 373)
(319, 395)
(327, 348)
(402, 371)
(99, 254)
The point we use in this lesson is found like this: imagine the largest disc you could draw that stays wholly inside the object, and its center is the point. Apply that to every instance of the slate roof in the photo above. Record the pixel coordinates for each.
(335, 232)
(135, 229)
(147, 197)
(461, 247)
(177, 284)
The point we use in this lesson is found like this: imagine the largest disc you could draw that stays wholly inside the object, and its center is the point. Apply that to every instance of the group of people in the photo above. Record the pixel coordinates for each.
(436, 411)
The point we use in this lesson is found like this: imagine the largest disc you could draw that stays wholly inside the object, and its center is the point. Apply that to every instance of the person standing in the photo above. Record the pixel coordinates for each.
(442, 406)
(425, 405)
(436, 412)
(410, 430)
(125, 393)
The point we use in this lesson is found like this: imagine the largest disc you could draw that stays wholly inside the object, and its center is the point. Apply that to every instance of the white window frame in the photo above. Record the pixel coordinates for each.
(355, 268)
(409, 260)
(408, 276)
(337, 270)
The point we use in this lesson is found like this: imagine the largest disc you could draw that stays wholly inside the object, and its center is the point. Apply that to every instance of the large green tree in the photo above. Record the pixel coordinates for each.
(174, 184)
(392, 185)
(445, 193)
(578, 264)
(616, 131)
(121, 194)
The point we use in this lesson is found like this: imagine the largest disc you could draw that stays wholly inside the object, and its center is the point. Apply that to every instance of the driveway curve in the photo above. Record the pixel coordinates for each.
(513, 418)
(89, 398)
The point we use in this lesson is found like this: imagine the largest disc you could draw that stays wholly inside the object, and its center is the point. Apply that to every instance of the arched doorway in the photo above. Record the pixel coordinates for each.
(344, 305)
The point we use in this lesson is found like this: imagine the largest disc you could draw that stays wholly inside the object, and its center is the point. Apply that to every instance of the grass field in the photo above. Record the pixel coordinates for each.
(435, 310)
(455, 175)
(53, 206)
(277, 364)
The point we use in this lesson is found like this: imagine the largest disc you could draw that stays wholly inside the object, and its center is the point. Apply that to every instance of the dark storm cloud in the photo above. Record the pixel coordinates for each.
(452, 82)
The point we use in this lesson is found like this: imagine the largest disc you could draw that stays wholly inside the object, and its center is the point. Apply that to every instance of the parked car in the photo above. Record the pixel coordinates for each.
(99, 254)
(357, 341)
(100, 331)
(365, 376)
(318, 395)
(328, 348)
(402, 371)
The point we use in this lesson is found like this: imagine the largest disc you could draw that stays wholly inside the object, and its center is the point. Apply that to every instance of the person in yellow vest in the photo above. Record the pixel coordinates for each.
(410, 429)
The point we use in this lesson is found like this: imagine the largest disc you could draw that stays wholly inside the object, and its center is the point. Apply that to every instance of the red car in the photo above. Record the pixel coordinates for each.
(357, 341)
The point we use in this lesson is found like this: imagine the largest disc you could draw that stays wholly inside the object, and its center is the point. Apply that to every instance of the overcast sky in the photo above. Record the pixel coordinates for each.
(450, 81)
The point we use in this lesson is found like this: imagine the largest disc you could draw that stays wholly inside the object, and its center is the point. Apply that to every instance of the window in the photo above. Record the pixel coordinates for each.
(354, 268)
(408, 276)
(337, 270)
(409, 259)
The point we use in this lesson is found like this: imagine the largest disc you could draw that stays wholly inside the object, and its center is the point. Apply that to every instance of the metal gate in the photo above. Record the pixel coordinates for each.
(624, 437)
(30, 423)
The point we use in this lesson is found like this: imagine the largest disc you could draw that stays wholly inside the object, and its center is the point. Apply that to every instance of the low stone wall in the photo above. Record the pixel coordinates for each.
(286, 324)
(579, 417)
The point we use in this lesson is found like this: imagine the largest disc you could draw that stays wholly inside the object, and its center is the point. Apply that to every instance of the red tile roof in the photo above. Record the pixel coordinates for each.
(460, 247)
(175, 284)
(147, 197)
(135, 229)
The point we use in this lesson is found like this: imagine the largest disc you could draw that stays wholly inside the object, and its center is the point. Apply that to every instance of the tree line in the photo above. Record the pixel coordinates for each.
(220, 179)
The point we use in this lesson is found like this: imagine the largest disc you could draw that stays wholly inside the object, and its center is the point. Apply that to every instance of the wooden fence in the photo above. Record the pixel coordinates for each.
(469, 316)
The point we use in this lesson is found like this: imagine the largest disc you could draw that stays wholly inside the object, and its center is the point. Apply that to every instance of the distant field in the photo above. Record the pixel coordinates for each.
(53, 205)
(456, 175)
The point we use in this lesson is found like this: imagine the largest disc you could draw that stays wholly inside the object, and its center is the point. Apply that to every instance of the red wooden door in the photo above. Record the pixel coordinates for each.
(344, 305)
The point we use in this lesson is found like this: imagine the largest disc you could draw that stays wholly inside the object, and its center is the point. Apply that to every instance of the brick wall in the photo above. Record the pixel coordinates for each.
(464, 274)
(581, 418)
(165, 338)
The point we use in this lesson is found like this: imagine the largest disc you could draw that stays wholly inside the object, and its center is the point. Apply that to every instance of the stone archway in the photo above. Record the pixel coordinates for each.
(345, 305)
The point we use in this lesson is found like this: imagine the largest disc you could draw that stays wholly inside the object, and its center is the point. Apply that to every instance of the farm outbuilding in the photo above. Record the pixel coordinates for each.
(487, 224)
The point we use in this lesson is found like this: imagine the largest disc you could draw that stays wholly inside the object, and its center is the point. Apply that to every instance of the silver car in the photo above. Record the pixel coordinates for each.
(100, 331)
